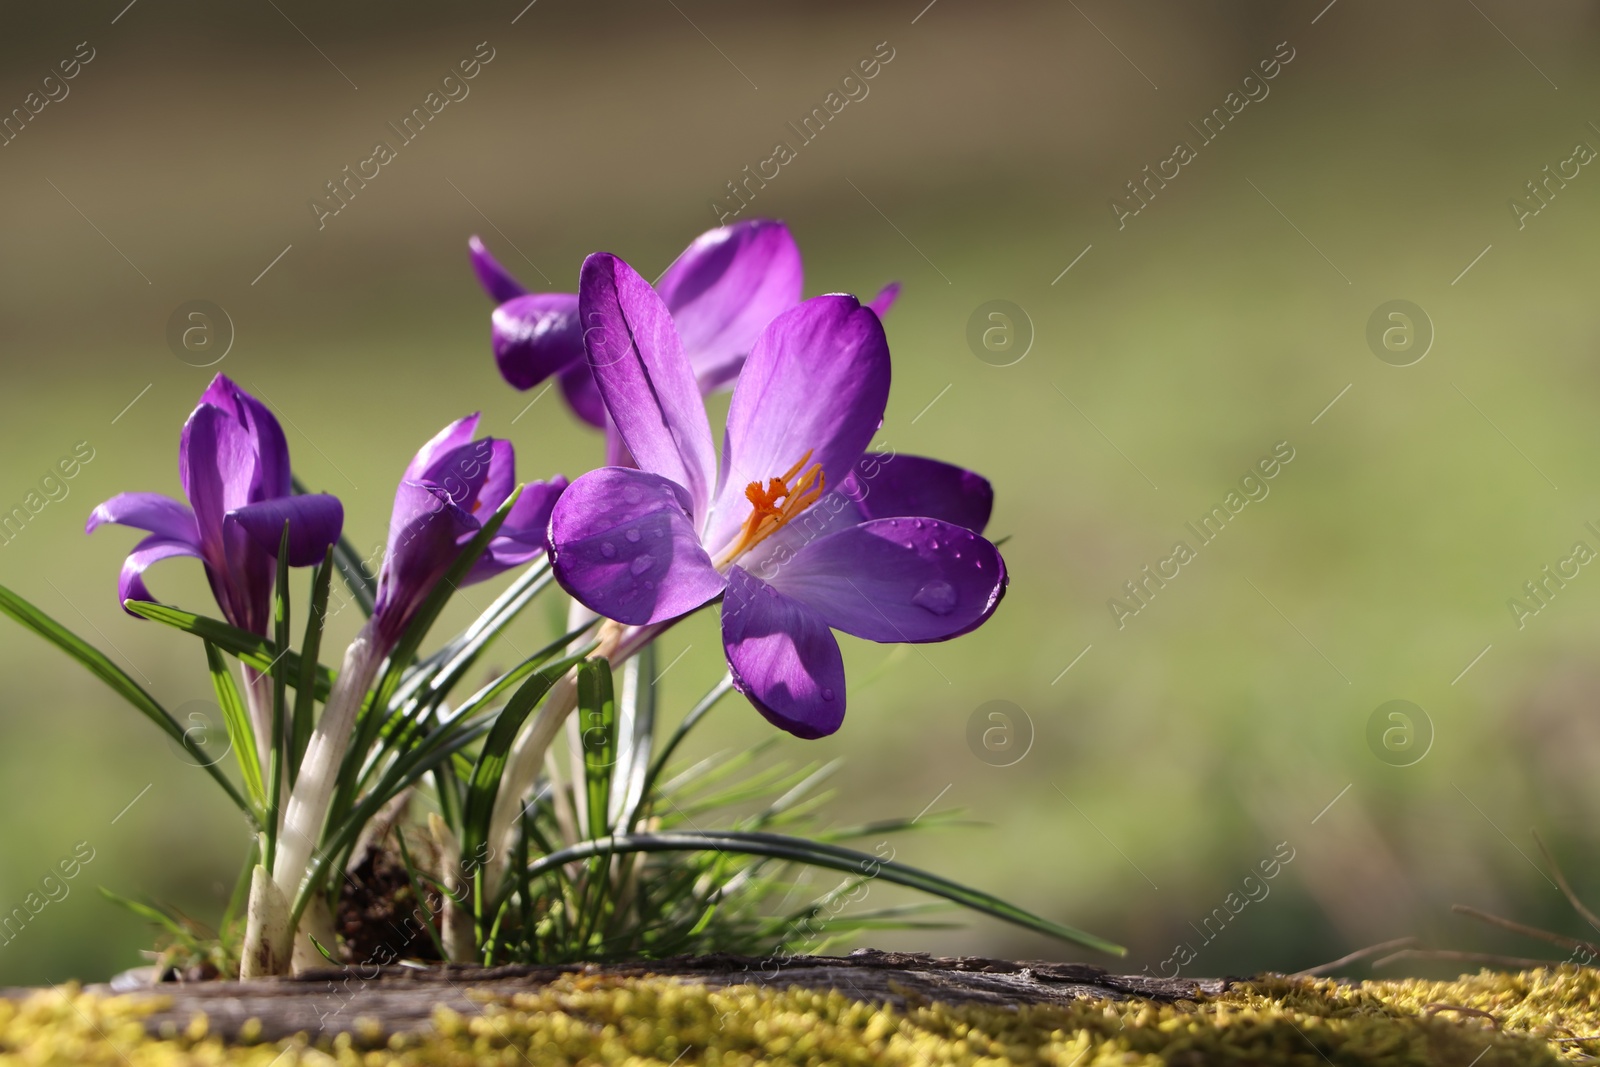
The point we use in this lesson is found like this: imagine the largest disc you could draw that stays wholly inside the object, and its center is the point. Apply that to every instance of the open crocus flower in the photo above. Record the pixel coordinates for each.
(646, 546)
(721, 292)
(233, 463)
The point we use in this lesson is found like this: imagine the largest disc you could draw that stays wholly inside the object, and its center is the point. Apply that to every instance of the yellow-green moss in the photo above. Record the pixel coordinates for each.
(661, 1021)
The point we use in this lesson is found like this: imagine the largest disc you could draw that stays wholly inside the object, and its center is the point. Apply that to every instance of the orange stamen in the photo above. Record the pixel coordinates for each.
(773, 505)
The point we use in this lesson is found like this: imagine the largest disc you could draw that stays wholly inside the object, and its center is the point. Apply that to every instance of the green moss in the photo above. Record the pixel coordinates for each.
(660, 1021)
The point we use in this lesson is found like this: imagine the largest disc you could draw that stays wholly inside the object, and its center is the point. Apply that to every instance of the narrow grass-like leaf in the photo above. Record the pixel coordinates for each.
(153, 915)
(597, 733)
(416, 889)
(379, 709)
(639, 707)
(362, 584)
(484, 784)
(277, 750)
(811, 853)
(440, 671)
(443, 744)
(117, 679)
(237, 719)
(696, 713)
(403, 725)
(252, 650)
(301, 723)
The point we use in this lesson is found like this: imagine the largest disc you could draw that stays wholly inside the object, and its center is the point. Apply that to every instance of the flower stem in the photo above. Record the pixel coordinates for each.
(313, 791)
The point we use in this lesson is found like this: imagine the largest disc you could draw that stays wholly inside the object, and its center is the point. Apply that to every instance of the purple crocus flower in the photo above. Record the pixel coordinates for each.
(721, 292)
(234, 466)
(451, 488)
(791, 561)
(233, 463)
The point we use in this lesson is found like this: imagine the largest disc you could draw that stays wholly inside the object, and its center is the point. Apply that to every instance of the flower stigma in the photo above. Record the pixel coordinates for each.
(773, 505)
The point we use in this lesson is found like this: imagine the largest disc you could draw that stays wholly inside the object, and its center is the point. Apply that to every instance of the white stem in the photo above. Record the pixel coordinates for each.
(258, 698)
(266, 939)
(313, 791)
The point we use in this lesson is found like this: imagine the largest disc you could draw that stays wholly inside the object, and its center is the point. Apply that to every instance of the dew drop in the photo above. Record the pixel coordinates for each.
(640, 565)
(938, 596)
(607, 549)
(633, 535)
(828, 694)
(631, 494)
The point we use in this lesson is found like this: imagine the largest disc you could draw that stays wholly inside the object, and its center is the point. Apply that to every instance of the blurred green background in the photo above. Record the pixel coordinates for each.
(1178, 751)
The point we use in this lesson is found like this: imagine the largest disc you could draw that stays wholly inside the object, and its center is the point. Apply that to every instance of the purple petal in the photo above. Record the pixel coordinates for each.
(893, 486)
(817, 382)
(622, 544)
(425, 535)
(447, 440)
(617, 454)
(648, 384)
(535, 336)
(154, 512)
(222, 392)
(525, 533)
(782, 657)
(583, 395)
(500, 478)
(495, 279)
(314, 523)
(272, 451)
(217, 466)
(835, 511)
(898, 580)
(885, 299)
(130, 584)
(725, 288)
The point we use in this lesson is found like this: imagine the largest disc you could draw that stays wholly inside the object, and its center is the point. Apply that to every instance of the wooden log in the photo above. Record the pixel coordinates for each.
(402, 999)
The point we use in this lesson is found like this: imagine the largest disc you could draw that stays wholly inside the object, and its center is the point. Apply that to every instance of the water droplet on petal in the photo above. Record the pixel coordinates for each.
(828, 694)
(631, 494)
(937, 596)
(640, 565)
(633, 535)
(607, 549)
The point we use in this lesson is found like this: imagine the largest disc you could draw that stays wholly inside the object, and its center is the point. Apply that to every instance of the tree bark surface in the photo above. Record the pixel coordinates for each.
(325, 1003)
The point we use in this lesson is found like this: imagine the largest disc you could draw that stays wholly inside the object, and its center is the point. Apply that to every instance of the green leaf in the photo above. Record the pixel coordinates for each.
(379, 708)
(696, 713)
(237, 719)
(441, 671)
(597, 733)
(310, 648)
(113, 676)
(252, 650)
(277, 755)
(811, 853)
(484, 784)
(154, 916)
(403, 727)
(639, 704)
(361, 583)
(443, 744)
